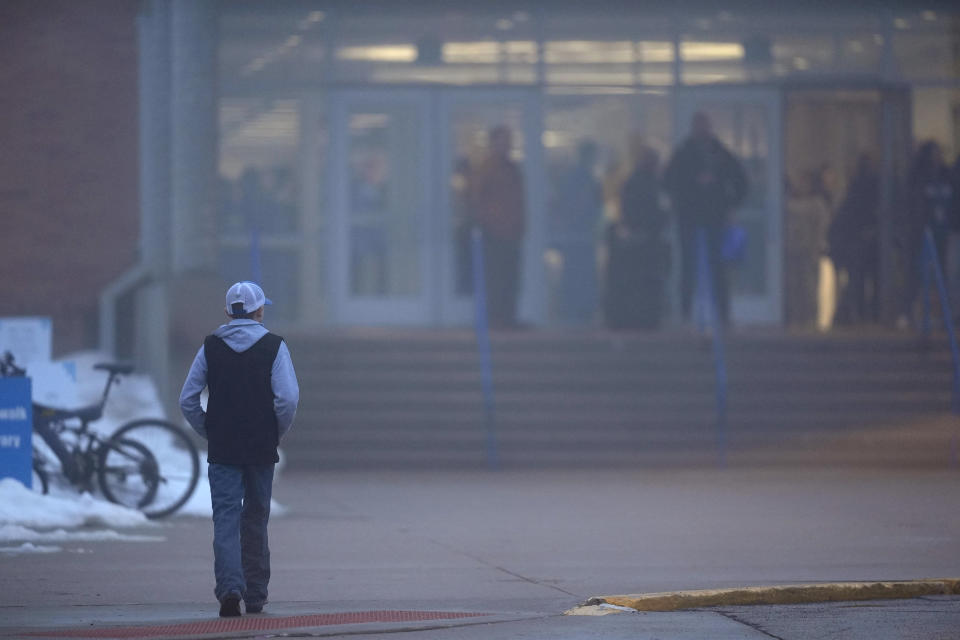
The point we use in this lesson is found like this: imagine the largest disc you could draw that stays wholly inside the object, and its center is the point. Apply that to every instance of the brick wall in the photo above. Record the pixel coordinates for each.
(68, 159)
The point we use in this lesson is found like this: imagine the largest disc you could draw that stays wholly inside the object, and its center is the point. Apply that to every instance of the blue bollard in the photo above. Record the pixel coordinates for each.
(482, 330)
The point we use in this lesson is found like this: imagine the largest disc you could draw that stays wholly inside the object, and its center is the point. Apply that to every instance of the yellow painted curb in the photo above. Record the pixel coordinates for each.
(782, 594)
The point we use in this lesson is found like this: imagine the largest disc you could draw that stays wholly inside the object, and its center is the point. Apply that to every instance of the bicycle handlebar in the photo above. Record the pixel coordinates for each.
(8, 369)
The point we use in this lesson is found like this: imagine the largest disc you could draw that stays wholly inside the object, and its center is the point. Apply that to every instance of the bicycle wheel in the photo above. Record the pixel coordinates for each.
(128, 473)
(178, 464)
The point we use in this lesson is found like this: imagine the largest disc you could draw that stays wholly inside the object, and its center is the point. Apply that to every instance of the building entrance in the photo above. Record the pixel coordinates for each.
(401, 164)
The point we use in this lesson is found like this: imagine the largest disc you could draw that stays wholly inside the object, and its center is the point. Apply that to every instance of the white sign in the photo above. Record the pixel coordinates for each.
(28, 338)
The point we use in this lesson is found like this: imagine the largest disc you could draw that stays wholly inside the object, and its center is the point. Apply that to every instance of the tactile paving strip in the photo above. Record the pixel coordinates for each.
(254, 623)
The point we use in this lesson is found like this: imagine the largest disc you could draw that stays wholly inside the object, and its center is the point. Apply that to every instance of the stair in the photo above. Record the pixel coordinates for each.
(412, 399)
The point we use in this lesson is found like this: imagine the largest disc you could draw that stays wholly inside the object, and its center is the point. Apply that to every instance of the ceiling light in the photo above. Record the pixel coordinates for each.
(711, 51)
(381, 53)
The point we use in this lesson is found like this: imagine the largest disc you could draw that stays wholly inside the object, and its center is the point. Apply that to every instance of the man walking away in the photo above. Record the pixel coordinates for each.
(253, 396)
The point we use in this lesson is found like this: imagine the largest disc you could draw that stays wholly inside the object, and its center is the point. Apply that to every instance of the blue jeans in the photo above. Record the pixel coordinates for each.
(241, 509)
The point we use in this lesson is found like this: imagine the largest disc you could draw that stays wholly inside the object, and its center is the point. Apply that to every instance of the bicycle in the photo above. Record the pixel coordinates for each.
(148, 464)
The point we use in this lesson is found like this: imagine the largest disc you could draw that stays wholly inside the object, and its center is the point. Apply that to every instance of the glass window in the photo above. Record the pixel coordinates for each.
(591, 145)
(385, 200)
(272, 47)
(803, 53)
(861, 52)
(936, 116)
(258, 212)
(618, 48)
(259, 141)
(927, 54)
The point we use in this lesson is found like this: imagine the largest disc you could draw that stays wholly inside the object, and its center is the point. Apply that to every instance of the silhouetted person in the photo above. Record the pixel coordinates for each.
(931, 203)
(578, 208)
(853, 238)
(638, 257)
(498, 208)
(706, 183)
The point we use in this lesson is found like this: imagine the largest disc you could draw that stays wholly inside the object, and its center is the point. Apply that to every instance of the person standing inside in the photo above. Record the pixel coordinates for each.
(638, 258)
(578, 207)
(854, 245)
(498, 205)
(705, 182)
(253, 397)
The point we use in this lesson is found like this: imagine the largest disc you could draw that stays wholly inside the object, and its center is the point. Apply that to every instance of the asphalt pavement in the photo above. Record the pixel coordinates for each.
(505, 554)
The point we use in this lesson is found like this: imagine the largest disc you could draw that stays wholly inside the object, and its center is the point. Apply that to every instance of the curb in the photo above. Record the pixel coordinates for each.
(781, 594)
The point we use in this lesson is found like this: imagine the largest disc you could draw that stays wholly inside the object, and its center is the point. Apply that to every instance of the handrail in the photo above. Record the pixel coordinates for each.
(931, 263)
(482, 330)
(709, 317)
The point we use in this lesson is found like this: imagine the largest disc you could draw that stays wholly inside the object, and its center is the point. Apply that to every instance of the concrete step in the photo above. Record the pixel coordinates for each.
(414, 398)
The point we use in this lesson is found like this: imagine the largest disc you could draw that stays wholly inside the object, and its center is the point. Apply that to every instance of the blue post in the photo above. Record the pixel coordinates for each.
(931, 262)
(926, 262)
(256, 272)
(482, 330)
(706, 298)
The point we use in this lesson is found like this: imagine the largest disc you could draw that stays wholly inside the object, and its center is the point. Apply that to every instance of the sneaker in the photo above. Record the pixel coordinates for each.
(230, 606)
(254, 608)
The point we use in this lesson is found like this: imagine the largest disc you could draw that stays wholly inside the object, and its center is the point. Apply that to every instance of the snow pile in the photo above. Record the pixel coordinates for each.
(19, 505)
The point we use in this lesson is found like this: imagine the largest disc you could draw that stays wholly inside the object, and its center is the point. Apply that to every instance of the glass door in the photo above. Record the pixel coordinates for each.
(403, 165)
(747, 121)
(382, 199)
(467, 118)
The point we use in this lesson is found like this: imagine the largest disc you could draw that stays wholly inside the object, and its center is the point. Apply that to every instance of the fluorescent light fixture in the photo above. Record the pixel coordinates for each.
(711, 51)
(379, 53)
(481, 52)
(590, 51)
(655, 51)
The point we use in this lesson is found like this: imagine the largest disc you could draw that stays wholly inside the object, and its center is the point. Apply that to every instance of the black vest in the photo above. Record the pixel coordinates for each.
(241, 424)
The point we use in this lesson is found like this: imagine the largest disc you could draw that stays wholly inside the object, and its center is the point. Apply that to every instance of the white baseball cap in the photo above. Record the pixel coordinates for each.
(249, 294)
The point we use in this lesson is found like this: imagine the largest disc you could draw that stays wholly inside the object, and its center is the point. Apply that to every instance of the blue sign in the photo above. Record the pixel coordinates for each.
(16, 429)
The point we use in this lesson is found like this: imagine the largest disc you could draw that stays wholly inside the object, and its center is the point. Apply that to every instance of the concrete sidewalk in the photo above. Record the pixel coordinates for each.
(928, 618)
(523, 547)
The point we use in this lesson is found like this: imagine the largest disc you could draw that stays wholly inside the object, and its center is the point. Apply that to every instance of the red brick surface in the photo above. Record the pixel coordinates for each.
(68, 158)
